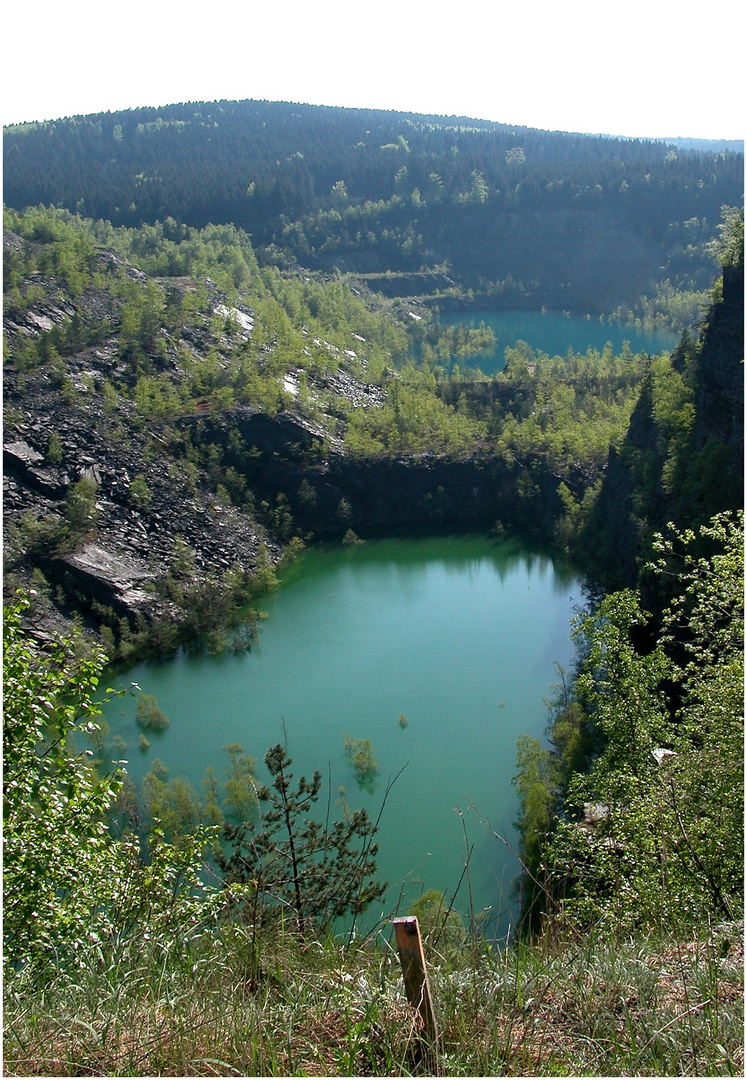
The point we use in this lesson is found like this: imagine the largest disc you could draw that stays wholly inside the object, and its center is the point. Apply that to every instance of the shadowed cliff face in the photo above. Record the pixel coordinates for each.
(636, 500)
(617, 529)
(720, 398)
(382, 496)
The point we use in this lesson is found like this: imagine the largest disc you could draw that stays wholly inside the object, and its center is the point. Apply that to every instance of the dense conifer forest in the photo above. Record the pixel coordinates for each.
(222, 342)
(419, 204)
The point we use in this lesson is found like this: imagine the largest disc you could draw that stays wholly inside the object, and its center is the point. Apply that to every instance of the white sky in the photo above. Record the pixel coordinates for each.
(651, 68)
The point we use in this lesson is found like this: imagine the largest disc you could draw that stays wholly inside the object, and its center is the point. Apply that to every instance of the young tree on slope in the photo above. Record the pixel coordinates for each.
(316, 870)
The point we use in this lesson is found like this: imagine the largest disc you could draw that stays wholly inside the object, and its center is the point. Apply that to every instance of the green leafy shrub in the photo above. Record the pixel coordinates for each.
(650, 832)
(71, 887)
(59, 869)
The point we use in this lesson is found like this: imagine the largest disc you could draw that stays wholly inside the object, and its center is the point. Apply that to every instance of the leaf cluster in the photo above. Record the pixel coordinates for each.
(635, 816)
(69, 883)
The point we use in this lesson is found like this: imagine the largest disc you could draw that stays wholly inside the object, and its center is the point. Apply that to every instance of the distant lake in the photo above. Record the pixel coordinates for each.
(461, 635)
(555, 333)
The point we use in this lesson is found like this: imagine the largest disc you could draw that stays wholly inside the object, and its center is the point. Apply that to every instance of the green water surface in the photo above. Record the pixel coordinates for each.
(554, 333)
(460, 634)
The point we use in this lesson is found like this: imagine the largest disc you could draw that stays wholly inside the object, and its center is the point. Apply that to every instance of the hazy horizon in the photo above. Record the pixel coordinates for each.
(566, 68)
(446, 116)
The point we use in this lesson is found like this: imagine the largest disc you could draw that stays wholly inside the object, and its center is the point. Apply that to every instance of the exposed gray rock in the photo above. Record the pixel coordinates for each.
(113, 578)
(22, 454)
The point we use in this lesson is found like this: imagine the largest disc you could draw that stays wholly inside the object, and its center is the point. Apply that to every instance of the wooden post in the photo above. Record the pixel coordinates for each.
(412, 959)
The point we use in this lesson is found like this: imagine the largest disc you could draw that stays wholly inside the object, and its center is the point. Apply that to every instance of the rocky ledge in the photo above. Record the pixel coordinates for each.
(143, 500)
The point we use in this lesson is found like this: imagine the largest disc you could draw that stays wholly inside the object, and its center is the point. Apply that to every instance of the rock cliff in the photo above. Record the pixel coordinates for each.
(636, 500)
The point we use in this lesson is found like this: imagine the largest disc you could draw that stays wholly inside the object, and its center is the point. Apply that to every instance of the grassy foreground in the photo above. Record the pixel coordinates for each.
(270, 1004)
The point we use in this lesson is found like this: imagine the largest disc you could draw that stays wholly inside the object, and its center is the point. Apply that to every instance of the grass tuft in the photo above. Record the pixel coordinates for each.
(234, 1004)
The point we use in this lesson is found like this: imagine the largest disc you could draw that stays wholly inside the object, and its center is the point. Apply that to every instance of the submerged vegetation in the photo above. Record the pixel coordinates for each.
(184, 411)
(148, 714)
(360, 756)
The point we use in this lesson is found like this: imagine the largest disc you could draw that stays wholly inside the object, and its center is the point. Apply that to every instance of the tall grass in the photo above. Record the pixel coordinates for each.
(238, 1002)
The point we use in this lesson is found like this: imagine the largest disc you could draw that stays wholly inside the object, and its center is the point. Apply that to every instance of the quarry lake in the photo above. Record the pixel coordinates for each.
(553, 332)
(460, 635)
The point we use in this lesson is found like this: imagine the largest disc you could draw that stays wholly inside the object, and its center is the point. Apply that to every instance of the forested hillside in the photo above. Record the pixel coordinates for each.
(207, 365)
(463, 210)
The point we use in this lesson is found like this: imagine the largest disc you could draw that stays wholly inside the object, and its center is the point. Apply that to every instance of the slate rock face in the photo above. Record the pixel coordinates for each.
(720, 402)
(112, 578)
(28, 465)
(60, 429)
(21, 454)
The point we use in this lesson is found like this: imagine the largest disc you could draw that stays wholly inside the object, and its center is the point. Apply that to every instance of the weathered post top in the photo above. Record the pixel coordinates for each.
(412, 959)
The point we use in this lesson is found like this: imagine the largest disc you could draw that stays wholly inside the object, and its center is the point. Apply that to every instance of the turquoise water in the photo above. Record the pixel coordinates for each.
(459, 634)
(554, 333)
